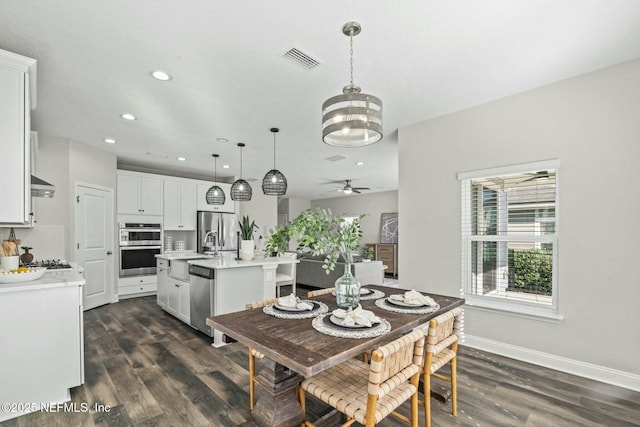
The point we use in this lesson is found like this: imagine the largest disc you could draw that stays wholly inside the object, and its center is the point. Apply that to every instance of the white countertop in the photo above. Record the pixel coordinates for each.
(51, 279)
(182, 255)
(227, 261)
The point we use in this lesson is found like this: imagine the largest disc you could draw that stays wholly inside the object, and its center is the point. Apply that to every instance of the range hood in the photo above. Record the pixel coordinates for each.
(40, 188)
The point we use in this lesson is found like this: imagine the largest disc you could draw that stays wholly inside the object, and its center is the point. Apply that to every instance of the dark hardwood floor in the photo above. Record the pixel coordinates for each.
(153, 370)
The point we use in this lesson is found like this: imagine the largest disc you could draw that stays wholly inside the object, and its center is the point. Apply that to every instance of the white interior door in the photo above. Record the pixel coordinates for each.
(94, 247)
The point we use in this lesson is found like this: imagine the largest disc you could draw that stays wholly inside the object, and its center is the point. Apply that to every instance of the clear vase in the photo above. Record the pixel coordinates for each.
(347, 289)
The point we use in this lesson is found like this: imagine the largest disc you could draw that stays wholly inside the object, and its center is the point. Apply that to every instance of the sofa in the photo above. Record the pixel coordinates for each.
(310, 273)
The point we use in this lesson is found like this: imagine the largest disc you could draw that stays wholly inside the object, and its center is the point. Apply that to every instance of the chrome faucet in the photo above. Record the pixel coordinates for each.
(210, 240)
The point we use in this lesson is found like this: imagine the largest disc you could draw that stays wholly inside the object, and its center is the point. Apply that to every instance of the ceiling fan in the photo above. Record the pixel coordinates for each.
(348, 189)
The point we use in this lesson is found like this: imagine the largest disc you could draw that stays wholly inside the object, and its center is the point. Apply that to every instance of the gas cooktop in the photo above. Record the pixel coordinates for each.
(51, 264)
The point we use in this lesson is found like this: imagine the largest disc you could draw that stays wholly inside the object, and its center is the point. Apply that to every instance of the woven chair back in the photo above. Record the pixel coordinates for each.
(395, 363)
(444, 330)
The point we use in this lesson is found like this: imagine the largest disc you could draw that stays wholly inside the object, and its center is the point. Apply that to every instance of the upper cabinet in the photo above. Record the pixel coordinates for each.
(139, 194)
(17, 89)
(228, 206)
(179, 205)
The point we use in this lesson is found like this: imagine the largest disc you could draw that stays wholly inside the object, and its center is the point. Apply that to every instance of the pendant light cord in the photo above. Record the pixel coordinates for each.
(351, 54)
(274, 150)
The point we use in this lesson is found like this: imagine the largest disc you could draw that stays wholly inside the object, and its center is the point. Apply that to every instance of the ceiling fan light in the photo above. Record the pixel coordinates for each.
(347, 191)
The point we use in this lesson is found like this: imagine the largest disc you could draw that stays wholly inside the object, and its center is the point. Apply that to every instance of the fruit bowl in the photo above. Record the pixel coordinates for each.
(25, 276)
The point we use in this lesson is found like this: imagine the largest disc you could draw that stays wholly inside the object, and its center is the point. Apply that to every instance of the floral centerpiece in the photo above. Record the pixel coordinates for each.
(319, 232)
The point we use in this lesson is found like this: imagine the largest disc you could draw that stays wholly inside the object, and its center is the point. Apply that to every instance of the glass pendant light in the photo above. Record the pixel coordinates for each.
(241, 190)
(215, 194)
(352, 119)
(274, 182)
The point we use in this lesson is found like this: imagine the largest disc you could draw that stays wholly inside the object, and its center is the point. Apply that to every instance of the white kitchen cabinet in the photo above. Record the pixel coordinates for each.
(228, 206)
(179, 205)
(134, 286)
(139, 194)
(179, 302)
(17, 89)
(163, 282)
(41, 342)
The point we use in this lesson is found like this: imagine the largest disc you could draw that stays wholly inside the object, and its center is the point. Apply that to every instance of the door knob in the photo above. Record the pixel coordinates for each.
(109, 253)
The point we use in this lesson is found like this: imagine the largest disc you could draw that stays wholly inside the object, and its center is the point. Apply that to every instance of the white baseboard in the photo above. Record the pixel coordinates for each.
(559, 363)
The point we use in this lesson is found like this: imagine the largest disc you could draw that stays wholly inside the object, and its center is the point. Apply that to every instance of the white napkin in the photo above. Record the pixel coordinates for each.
(292, 301)
(413, 297)
(356, 317)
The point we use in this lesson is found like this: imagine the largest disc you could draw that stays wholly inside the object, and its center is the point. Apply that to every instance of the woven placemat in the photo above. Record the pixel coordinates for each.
(318, 309)
(324, 325)
(385, 305)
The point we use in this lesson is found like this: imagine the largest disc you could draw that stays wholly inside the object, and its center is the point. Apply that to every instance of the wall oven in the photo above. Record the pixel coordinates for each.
(139, 245)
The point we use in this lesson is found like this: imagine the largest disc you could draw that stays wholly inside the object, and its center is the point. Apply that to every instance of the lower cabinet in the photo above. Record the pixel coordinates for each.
(163, 282)
(137, 286)
(179, 300)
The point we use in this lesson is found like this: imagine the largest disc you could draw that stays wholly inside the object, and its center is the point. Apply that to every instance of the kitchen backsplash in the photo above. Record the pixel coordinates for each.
(47, 241)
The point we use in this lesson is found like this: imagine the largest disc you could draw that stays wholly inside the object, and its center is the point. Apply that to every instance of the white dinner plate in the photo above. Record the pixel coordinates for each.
(295, 309)
(404, 304)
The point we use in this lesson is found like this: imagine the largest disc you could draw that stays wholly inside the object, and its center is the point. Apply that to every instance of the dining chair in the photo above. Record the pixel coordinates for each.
(441, 347)
(254, 354)
(368, 393)
(317, 292)
(286, 274)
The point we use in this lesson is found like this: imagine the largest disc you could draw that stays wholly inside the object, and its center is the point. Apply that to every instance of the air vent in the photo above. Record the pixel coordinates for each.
(301, 58)
(151, 154)
(336, 158)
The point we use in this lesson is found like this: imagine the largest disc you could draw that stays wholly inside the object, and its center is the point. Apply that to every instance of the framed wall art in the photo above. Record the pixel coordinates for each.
(389, 228)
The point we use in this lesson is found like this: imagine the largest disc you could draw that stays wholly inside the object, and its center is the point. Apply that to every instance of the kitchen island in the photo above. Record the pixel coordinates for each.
(42, 354)
(215, 285)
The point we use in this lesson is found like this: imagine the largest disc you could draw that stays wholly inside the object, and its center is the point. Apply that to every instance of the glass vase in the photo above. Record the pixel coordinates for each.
(347, 289)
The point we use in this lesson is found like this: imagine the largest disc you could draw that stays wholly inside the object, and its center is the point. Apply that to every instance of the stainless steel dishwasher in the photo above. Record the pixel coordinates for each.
(201, 280)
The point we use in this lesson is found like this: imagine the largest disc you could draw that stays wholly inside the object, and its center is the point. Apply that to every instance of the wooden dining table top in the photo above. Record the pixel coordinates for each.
(295, 344)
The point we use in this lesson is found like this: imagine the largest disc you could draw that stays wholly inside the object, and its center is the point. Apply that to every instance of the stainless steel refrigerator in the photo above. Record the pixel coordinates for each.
(217, 231)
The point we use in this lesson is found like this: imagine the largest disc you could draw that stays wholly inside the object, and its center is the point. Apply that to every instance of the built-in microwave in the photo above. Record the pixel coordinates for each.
(139, 234)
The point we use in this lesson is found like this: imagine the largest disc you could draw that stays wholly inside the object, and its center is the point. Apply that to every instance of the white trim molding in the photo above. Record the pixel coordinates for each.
(588, 370)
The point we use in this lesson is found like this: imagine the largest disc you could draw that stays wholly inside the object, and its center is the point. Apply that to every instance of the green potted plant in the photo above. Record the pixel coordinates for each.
(319, 232)
(247, 247)
(367, 253)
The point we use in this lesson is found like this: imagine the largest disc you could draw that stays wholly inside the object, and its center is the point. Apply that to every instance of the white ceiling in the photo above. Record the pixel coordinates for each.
(422, 58)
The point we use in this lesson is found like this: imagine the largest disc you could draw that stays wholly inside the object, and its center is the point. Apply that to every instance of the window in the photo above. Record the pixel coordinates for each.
(509, 238)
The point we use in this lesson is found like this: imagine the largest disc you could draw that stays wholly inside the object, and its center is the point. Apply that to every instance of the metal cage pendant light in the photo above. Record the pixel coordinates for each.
(352, 119)
(274, 182)
(215, 194)
(241, 190)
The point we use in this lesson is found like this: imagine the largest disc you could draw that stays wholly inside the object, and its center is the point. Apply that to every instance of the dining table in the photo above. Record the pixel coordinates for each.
(294, 348)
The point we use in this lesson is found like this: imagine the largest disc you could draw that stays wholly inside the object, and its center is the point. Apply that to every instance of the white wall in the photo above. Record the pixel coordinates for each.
(592, 124)
(62, 162)
(261, 209)
(372, 204)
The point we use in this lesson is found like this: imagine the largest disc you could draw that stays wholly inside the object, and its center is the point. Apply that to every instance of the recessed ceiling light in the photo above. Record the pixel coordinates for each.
(225, 166)
(161, 75)
(222, 139)
(182, 159)
(128, 116)
(359, 163)
(110, 140)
